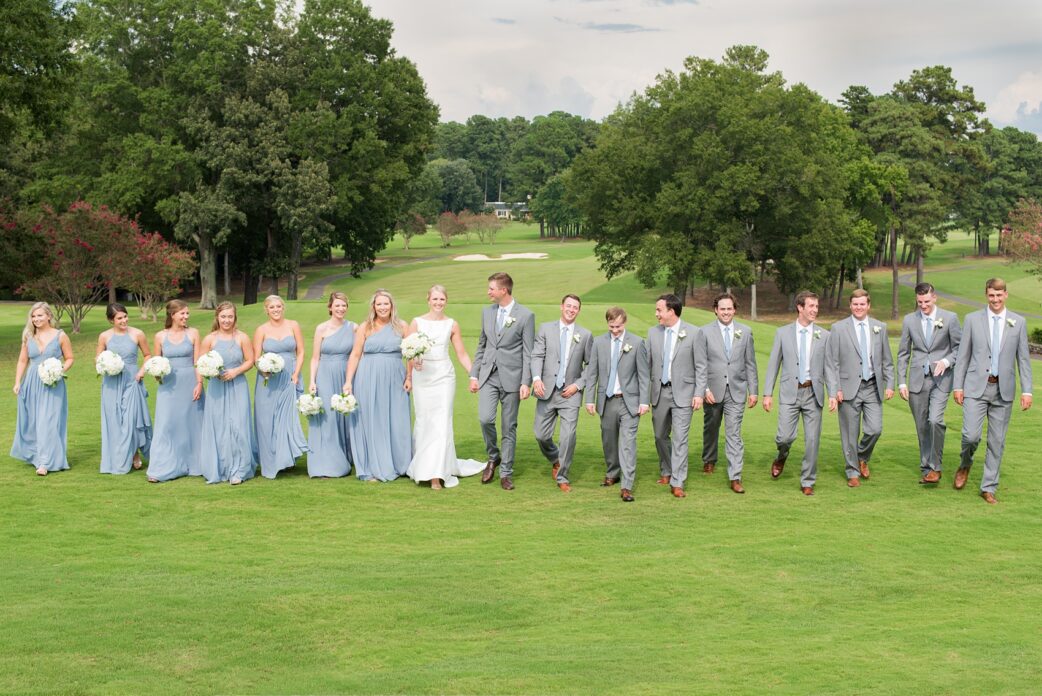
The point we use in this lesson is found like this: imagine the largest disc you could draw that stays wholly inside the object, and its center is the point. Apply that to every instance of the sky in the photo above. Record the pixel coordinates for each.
(530, 57)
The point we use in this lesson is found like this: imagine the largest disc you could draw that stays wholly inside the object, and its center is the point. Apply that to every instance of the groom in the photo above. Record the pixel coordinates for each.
(501, 373)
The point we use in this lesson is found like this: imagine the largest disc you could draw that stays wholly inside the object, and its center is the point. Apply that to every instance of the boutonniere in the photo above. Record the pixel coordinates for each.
(626, 347)
(817, 334)
(681, 335)
(738, 334)
(939, 323)
(1011, 323)
(577, 338)
(509, 321)
(875, 329)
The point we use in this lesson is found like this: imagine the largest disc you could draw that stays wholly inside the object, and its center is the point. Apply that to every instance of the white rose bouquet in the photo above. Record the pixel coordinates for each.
(50, 371)
(108, 363)
(210, 364)
(270, 364)
(157, 366)
(415, 345)
(344, 404)
(309, 404)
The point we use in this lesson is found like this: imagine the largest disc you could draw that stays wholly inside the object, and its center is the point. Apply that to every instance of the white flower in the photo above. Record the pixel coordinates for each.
(875, 329)
(682, 335)
(939, 324)
(270, 364)
(508, 322)
(577, 338)
(1011, 323)
(210, 364)
(50, 371)
(415, 345)
(817, 334)
(108, 363)
(737, 334)
(309, 404)
(343, 403)
(157, 366)
(626, 347)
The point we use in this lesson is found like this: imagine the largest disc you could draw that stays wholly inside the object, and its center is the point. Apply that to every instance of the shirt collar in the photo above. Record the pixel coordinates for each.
(506, 310)
(931, 317)
(1001, 315)
(725, 326)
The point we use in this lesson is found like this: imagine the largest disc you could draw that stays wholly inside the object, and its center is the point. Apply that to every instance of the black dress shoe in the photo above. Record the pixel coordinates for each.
(489, 471)
(507, 483)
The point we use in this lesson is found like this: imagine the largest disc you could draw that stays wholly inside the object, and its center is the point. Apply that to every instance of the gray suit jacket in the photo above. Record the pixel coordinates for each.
(974, 362)
(843, 366)
(546, 356)
(737, 372)
(683, 370)
(912, 350)
(509, 351)
(632, 372)
(786, 356)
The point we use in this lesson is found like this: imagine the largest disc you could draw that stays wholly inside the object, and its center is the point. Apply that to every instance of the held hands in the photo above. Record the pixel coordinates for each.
(537, 388)
(752, 400)
(473, 385)
(767, 401)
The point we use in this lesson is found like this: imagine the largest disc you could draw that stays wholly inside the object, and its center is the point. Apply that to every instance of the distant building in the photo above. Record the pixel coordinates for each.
(509, 211)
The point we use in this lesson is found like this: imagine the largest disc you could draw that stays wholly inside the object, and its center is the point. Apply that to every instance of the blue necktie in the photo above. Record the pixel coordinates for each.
(866, 372)
(501, 319)
(667, 354)
(727, 341)
(563, 365)
(996, 344)
(614, 368)
(928, 333)
(804, 366)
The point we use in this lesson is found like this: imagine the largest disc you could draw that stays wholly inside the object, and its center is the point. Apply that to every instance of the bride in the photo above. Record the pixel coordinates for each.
(433, 391)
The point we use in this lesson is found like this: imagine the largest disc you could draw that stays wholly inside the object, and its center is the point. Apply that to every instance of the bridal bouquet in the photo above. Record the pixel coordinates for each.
(309, 404)
(343, 404)
(270, 364)
(415, 345)
(50, 372)
(157, 366)
(108, 363)
(210, 364)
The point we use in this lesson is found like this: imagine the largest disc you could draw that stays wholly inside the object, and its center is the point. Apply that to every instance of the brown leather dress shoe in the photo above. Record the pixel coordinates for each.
(853, 482)
(554, 469)
(663, 481)
(989, 498)
(709, 467)
(679, 492)
(609, 482)
(489, 471)
(565, 488)
(776, 468)
(960, 478)
(507, 483)
(807, 490)
(931, 477)
(627, 495)
(862, 467)
(736, 486)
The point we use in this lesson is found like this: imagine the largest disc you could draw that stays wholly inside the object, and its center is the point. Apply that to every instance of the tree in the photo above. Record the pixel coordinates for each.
(487, 150)
(554, 210)
(459, 188)
(485, 225)
(546, 148)
(1022, 238)
(449, 226)
(154, 272)
(411, 225)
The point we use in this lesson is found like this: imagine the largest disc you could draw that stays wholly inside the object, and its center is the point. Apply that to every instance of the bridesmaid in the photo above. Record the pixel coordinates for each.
(40, 431)
(280, 439)
(327, 432)
(179, 405)
(126, 427)
(381, 443)
(228, 446)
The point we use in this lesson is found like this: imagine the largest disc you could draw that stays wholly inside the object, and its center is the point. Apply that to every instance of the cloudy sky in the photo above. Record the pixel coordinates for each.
(529, 57)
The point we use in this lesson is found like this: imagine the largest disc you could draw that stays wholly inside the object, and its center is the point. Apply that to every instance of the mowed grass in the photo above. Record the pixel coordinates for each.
(110, 584)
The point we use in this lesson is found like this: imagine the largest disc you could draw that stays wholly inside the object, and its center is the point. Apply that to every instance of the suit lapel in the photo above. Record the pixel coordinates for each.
(854, 337)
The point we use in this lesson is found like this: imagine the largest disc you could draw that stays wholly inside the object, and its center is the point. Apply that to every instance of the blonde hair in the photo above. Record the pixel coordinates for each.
(273, 298)
(172, 308)
(438, 288)
(336, 295)
(30, 330)
(217, 312)
(397, 325)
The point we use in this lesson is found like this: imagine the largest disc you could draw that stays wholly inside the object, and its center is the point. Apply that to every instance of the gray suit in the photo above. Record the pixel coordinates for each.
(731, 378)
(546, 361)
(671, 403)
(928, 395)
(620, 415)
(795, 401)
(862, 407)
(502, 363)
(983, 398)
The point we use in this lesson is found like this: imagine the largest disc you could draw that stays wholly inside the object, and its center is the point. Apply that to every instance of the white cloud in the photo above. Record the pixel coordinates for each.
(1019, 99)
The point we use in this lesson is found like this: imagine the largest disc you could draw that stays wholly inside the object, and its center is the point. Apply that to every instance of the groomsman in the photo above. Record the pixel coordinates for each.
(928, 349)
(799, 352)
(501, 373)
(993, 340)
(731, 385)
(619, 368)
(671, 350)
(859, 375)
(562, 350)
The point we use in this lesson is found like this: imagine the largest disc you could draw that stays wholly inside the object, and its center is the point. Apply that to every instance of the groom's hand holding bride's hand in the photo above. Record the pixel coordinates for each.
(473, 385)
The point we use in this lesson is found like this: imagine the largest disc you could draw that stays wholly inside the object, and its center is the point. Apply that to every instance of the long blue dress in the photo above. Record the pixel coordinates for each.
(381, 442)
(40, 431)
(126, 426)
(327, 432)
(179, 420)
(280, 439)
(228, 446)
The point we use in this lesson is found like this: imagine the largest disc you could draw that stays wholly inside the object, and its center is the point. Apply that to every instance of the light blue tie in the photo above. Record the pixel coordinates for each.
(928, 333)
(804, 366)
(995, 346)
(501, 319)
(667, 353)
(866, 372)
(727, 341)
(563, 365)
(614, 368)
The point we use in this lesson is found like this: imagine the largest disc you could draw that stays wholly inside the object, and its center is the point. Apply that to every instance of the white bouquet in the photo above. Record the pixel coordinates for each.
(343, 404)
(270, 364)
(210, 364)
(415, 345)
(157, 366)
(50, 371)
(309, 404)
(108, 363)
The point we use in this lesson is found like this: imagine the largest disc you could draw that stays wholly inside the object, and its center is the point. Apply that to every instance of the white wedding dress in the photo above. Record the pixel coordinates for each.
(433, 393)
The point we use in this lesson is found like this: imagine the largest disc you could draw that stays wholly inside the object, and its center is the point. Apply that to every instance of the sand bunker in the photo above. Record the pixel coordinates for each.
(504, 257)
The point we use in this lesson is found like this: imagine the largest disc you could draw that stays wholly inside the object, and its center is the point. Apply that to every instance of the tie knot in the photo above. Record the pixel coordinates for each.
(803, 331)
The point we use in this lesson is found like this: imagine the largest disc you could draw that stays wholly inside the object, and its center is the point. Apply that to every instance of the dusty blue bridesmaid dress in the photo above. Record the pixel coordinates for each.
(280, 439)
(179, 420)
(327, 432)
(41, 424)
(228, 446)
(380, 438)
(126, 426)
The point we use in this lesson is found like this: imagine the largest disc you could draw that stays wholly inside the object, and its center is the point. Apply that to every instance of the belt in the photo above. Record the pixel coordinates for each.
(993, 379)
(667, 384)
(869, 380)
(804, 385)
(613, 396)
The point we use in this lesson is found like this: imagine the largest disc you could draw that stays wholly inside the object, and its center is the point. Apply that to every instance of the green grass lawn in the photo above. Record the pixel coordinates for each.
(110, 584)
